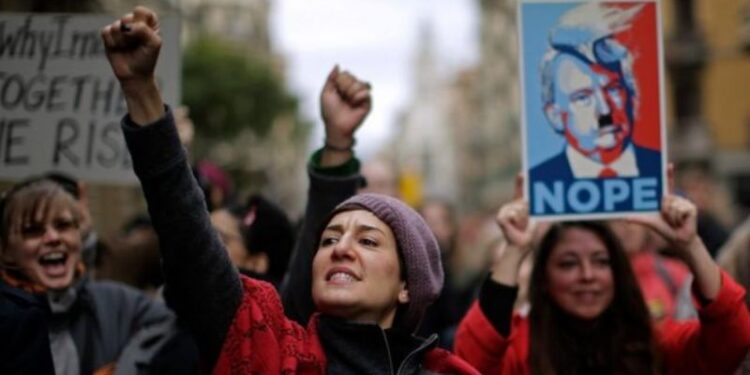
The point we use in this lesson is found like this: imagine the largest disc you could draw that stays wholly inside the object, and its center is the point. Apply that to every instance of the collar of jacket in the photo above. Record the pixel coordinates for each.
(359, 348)
(62, 303)
(21, 297)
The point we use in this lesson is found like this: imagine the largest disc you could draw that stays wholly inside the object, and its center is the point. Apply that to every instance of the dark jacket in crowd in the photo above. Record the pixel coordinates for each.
(93, 324)
(712, 232)
(24, 346)
(443, 316)
(239, 323)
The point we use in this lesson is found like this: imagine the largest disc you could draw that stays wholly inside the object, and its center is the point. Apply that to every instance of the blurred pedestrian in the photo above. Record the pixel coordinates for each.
(698, 183)
(587, 312)
(133, 257)
(360, 277)
(380, 178)
(216, 184)
(455, 298)
(665, 282)
(734, 256)
(258, 236)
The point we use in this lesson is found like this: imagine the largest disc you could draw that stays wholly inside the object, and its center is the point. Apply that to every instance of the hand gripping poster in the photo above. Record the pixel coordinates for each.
(593, 118)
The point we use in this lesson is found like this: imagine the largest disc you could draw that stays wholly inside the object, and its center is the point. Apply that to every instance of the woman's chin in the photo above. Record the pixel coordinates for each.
(56, 283)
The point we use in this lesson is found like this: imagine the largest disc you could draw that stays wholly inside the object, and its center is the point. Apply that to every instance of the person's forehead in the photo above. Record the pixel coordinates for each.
(579, 241)
(56, 210)
(42, 208)
(357, 217)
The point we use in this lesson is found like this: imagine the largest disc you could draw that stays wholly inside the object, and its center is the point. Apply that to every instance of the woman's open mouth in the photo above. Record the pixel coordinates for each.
(54, 263)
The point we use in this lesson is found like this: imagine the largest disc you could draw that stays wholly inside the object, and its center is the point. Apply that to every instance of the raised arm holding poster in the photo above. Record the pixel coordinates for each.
(60, 105)
(593, 119)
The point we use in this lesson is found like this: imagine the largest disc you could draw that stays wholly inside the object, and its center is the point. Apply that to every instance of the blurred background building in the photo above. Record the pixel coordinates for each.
(425, 142)
(494, 139)
(709, 70)
(461, 133)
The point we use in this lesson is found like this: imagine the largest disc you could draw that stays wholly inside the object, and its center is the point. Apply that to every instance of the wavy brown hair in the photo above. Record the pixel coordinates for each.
(619, 341)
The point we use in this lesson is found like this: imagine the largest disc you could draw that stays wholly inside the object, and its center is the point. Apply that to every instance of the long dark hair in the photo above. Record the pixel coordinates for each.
(619, 341)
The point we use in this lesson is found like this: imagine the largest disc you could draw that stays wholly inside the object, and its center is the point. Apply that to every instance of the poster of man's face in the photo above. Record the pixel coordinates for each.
(592, 107)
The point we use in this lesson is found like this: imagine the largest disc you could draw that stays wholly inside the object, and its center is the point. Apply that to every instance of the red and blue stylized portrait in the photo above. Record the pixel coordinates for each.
(593, 120)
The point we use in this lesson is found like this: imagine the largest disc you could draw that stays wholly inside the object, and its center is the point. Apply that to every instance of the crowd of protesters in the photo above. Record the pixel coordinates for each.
(364, 284)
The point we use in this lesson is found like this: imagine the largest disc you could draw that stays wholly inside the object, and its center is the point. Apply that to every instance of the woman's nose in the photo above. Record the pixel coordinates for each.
(343, 247)
(51, 234)
(587, 271)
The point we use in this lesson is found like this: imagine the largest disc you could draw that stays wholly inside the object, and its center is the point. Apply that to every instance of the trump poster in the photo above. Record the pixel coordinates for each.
(592, 114)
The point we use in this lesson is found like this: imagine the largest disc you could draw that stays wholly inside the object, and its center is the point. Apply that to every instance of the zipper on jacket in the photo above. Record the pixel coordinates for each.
(388, 350)
(401, 367)
(427, 342)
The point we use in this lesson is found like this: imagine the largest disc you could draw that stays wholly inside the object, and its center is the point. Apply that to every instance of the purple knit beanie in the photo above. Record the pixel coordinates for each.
(417, 248)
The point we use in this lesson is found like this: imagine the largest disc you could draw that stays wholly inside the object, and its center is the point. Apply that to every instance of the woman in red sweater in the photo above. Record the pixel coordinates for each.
(587, 313)
(371, 270)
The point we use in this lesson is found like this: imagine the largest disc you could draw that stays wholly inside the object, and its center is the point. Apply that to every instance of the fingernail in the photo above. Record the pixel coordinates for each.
(125, 27)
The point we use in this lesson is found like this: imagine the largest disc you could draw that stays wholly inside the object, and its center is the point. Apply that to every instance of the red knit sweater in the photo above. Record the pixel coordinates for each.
(261, 340)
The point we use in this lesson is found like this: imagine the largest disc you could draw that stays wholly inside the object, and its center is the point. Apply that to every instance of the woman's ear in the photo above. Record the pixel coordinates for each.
(403, 296)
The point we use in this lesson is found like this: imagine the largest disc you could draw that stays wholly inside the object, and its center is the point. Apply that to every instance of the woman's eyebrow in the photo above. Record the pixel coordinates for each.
(359, 228)
(335, 228)
(368, 228)
(567, 254)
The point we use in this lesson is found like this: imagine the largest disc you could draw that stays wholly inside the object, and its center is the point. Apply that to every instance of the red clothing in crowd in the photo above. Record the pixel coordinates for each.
(661, 280)
(713, 345)
(261, 340)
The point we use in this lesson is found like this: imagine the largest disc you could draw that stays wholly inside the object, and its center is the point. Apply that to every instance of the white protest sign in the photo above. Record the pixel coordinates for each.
(60, 103)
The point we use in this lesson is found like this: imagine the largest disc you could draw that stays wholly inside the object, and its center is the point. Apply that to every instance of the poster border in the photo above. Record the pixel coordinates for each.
(524, 126)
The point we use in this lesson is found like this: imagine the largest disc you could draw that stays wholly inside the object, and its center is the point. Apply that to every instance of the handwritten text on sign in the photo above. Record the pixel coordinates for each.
(60, 104)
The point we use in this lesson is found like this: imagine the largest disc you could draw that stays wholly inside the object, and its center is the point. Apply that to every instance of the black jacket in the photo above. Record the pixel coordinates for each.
(24, 341)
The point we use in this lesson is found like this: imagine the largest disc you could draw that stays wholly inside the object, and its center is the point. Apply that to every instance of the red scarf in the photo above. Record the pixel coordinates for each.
(17, 279)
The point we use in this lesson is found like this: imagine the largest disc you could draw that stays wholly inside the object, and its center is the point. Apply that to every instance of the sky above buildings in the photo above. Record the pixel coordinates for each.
(378, 41)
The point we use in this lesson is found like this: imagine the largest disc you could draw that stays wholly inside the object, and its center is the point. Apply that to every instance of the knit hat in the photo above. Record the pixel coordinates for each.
(417, 248)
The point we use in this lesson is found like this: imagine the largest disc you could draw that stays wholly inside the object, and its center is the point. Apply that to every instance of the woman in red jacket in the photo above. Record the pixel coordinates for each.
(587, 313)
(375, 264)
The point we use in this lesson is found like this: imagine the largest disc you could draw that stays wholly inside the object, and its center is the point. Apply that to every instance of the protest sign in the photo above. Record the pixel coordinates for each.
(593, 117)
(60, 103)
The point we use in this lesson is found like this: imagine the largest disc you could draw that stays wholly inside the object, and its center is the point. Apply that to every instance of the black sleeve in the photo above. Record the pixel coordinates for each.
(202, 285)
(324, 194)
(496, 301)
